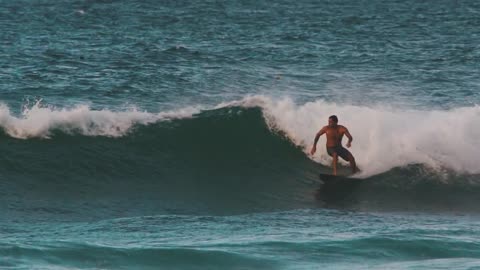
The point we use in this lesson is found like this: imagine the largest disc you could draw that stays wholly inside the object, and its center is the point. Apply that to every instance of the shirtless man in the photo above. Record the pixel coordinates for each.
(334, 143)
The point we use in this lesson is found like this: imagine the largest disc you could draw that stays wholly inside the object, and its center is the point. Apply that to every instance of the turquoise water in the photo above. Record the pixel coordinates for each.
(175, 135)
(299, 239)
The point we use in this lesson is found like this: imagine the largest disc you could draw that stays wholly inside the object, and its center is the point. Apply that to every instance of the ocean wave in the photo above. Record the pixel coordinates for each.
(384, 138)
(237, 157)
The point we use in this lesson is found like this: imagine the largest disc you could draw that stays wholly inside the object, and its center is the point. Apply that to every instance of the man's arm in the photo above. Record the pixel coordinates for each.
(319, 133)
(349, 136)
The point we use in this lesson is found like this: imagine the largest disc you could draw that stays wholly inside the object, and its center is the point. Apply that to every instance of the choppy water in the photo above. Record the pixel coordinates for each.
(174, 135)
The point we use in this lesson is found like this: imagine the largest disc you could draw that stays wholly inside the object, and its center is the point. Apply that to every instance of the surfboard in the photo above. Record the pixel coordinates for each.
(339, 182)
(329, 178)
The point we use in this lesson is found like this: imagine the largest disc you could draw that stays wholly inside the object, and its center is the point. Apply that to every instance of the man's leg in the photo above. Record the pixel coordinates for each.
(353, 164)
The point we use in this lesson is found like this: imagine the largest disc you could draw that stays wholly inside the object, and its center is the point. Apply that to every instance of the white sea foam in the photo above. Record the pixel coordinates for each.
(384, 138)
(40, 121)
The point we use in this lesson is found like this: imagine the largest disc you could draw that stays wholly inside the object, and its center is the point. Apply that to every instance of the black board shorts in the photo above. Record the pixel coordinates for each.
(340, 150)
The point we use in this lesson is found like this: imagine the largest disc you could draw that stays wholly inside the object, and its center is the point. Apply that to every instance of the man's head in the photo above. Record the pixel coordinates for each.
(332, 120)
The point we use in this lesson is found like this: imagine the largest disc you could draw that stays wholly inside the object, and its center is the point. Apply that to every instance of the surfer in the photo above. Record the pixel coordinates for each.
(334, 133)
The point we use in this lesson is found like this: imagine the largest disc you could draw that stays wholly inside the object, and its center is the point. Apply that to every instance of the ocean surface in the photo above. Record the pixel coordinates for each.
(145, 134)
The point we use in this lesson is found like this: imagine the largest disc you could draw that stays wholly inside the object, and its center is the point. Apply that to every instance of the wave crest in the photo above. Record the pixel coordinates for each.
(39, 121)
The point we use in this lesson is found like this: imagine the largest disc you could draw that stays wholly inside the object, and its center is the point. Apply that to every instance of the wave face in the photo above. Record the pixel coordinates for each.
(244, 156)
(223, 160)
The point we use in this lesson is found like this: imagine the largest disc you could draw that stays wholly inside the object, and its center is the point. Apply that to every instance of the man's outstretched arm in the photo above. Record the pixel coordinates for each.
(314, 147)
(350, 138)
